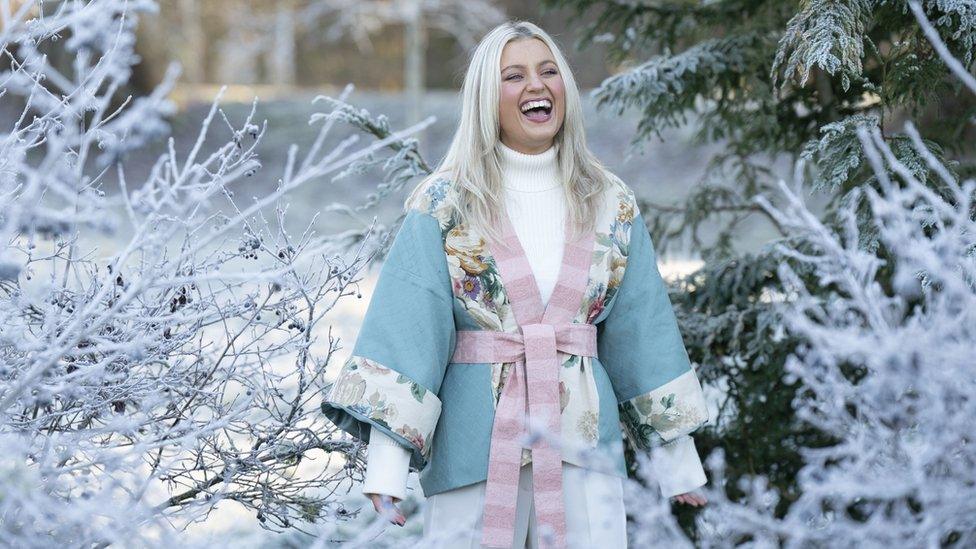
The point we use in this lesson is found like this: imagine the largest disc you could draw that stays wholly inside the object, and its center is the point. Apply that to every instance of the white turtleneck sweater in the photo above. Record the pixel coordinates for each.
(536, 205)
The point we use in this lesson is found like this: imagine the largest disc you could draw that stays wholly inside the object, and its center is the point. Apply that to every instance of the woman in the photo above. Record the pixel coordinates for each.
(521, 291)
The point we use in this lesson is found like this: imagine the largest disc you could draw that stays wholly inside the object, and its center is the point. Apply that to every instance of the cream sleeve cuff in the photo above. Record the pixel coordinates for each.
(387, 466)
(678, 466)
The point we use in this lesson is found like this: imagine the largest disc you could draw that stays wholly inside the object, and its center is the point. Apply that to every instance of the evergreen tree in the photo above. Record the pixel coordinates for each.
(769, 79)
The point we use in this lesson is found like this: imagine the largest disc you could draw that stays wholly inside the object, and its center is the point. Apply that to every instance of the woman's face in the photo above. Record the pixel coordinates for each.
(529, 73)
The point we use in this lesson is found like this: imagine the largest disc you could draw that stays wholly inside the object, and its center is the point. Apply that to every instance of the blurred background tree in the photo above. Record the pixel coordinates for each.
(312, 43)
(773, 81)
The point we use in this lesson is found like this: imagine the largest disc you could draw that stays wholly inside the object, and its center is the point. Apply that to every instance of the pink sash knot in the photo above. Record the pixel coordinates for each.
(534, 350)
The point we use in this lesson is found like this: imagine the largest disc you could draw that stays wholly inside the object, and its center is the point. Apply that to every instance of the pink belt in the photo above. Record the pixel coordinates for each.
(534, 350)
(545, 330)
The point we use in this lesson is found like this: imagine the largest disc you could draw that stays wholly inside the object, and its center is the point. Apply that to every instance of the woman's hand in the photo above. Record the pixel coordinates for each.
(691, 498)
(383, 503)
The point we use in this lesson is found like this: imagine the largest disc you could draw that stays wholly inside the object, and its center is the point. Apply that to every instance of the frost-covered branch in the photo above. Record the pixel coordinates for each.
(146, 378)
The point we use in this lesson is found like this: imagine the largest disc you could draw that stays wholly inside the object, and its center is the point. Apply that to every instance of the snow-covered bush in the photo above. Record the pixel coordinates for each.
(886, 368)
(142, 385)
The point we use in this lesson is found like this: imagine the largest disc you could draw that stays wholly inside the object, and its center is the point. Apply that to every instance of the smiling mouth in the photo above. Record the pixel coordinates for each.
(538, 114)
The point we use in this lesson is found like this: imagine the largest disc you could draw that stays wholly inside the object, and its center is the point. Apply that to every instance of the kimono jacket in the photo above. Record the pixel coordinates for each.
(440, 278)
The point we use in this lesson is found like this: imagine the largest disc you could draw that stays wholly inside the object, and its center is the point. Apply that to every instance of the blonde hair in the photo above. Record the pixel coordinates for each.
(472, 163)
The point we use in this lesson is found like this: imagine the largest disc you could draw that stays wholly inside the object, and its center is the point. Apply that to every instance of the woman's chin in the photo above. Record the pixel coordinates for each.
(541, 132)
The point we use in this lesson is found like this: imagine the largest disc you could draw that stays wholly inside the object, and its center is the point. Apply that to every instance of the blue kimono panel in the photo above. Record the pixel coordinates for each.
(658, 393)
(407, 336)
(440, 277)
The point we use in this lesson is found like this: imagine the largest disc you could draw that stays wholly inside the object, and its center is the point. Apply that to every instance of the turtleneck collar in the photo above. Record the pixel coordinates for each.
(529, 172)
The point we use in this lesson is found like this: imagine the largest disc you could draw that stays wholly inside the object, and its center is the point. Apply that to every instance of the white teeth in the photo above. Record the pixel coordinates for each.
(534, 104)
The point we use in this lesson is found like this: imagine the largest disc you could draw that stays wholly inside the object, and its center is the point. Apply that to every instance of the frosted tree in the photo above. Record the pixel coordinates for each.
(162, 343)
(886, 367)
(771, 79)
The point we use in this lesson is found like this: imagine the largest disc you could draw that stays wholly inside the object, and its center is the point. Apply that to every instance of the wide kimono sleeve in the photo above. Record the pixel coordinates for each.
(658, 393)
(392, 378)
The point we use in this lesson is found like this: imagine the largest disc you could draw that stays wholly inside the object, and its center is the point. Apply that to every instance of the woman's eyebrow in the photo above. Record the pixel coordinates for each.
(523, 66)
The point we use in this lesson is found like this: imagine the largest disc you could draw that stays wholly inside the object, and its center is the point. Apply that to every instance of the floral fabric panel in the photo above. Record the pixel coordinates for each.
(579, 403)
(478, 288)
(388, 397)
(610, 252)
(674, 409)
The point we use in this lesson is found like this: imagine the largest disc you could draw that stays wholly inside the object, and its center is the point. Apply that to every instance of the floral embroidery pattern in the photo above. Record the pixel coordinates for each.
(475, 280)
(435, 195)
(418, 391)
(389, 398)
(436, 205)
(587, 426)
(411, 434)
(610, 257)
(674, 409)
(597, 300)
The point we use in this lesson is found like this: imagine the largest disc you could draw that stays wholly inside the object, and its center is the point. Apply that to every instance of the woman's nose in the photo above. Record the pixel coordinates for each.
(535, 82)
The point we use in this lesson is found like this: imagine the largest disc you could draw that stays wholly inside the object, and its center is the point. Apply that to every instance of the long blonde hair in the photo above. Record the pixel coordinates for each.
(473, 160)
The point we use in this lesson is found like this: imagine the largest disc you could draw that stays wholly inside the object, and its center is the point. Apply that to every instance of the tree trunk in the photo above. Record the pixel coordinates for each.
(238, 51)
(415, 42)
(282, 55)
(194, 43)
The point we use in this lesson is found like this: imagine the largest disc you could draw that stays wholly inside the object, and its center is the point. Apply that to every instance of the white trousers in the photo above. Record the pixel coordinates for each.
(593, 502)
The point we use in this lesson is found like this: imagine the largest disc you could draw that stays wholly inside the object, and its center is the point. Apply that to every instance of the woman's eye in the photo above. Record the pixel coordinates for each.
(511, 76)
